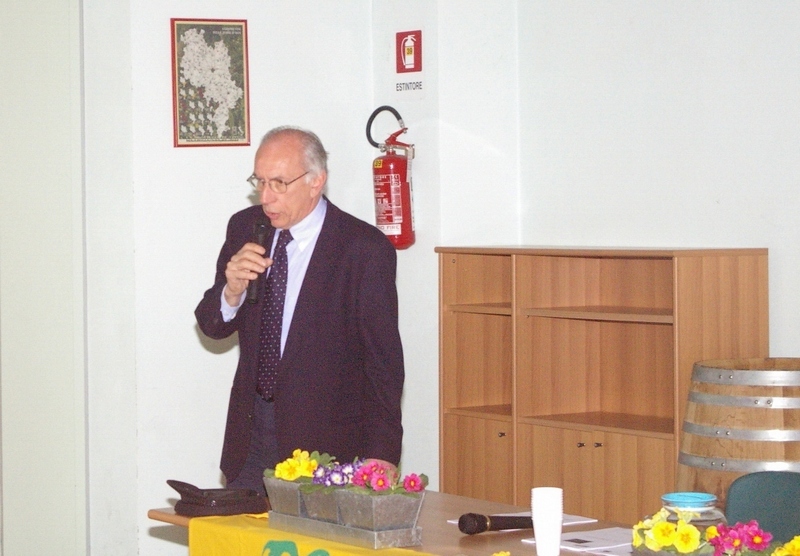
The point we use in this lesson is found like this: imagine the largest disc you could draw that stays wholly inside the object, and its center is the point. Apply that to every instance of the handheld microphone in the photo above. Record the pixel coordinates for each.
(260, 237)
(472, 524)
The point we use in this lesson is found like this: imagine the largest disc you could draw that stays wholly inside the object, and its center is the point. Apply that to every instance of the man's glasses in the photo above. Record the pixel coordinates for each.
(277, 186)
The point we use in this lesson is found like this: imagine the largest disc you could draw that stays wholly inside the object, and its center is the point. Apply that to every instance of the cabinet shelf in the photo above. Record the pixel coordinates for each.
(502, 411)
(481, 308)
(604, 313)
(625, 423)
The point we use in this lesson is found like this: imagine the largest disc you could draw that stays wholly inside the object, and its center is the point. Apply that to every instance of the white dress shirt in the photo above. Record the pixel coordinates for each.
(298, 253)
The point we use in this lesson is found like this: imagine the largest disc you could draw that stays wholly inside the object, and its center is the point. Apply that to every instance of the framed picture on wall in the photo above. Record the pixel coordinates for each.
(210, 91)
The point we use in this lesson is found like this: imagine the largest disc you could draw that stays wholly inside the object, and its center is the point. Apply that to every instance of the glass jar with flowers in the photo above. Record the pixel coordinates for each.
(661, 535)
(700, 508)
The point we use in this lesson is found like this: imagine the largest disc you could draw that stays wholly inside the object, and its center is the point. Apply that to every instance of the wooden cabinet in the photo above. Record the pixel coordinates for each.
(610, 474)
(571, 367)
(482, 455)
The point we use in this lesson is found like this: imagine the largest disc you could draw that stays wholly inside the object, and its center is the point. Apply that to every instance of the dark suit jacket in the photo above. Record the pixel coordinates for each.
(340, 379)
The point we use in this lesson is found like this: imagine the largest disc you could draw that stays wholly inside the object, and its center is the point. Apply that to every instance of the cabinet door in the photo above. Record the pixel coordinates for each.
(637, 470)
(610, 476)
(562, 458)
(477, 458)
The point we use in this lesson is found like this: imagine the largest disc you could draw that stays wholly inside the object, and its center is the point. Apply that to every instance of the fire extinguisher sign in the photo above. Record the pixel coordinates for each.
(408, 51)
(408, 76)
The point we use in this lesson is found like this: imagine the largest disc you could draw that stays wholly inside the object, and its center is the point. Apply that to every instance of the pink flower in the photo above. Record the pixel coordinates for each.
(727, 542)
(738, 539)
(371, 465)
(362, 476)
(754, 537)
(380, 475)
(379, 482)
(733, 541)
(380, 469)
(412, 483)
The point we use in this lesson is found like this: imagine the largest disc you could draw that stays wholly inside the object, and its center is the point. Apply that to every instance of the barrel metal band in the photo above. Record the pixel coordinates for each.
(764, 377)
(764, 402)
(736, 465)
(767, 435)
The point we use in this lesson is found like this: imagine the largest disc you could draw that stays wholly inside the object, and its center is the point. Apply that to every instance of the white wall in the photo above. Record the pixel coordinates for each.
(42, 318)
(479, 123)
(665, 124)
(110, 282)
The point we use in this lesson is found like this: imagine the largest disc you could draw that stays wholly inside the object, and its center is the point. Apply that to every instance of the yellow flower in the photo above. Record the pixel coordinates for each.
(687, 537)
(643, 531)
(711, 532)
(300, 455)
(299, 465)
(637, 537)
(686, 515)
(651, 542)
(503, 553)
(307, 467)
(664, 533)
(659, 516)
(791, 548)
(288, 470)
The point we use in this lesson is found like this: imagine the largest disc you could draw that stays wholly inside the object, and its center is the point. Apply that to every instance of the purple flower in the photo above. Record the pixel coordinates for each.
(319, 475)
(337, 478)
(348, 469)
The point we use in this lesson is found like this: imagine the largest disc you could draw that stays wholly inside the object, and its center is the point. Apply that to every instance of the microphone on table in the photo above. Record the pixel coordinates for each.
(472, 524)
(260, 237)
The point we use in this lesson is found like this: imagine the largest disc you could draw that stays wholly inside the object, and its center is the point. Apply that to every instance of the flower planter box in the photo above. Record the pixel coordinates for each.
(284, 496)
(321, 505)
(378, 512)
(364, 515)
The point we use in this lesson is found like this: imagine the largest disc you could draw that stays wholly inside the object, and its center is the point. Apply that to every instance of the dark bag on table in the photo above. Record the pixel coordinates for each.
(197, 502)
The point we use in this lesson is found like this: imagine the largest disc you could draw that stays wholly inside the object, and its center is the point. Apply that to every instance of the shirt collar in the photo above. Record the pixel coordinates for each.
(305, 231)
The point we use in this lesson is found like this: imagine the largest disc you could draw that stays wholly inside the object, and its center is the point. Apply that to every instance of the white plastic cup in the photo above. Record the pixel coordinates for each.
(547, 512)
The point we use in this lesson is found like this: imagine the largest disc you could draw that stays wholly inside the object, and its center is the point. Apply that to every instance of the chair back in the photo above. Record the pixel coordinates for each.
(770, 497)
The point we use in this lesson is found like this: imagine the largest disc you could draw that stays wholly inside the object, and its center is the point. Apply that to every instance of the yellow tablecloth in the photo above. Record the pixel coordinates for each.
(246, 535)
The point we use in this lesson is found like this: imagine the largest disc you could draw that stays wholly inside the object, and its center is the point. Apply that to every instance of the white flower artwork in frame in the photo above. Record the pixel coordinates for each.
(210, 82)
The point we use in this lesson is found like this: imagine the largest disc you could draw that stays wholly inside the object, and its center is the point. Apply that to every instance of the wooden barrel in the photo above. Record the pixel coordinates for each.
(742, 416)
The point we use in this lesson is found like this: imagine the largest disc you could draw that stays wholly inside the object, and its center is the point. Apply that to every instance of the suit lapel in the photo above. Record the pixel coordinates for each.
(312, 291)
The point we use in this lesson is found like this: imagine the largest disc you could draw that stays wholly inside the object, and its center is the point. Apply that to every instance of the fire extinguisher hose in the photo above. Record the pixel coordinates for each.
(377, 111)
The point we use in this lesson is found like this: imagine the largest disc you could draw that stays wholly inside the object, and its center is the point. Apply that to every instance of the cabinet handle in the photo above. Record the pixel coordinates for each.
(598, 444)
(581, 444)
(501, 434)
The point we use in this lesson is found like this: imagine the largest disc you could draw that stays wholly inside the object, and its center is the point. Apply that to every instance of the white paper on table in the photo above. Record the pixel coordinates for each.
(616, 551)
(614, 540)
(568, 519)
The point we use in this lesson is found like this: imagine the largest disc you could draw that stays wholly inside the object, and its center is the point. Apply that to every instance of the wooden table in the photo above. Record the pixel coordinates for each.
(440, 537)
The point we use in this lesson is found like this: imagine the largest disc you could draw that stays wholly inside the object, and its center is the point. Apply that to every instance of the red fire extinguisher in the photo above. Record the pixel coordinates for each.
(391, 181)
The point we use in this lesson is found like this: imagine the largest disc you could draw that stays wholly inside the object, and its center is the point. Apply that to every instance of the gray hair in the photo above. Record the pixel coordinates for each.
(316, 159)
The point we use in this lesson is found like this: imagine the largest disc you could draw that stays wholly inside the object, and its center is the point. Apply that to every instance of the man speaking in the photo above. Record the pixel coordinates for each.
(321, 362)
